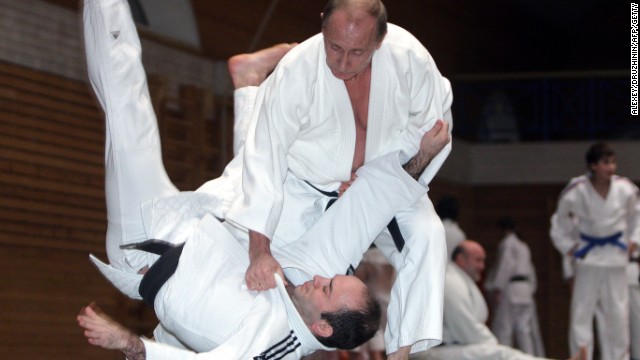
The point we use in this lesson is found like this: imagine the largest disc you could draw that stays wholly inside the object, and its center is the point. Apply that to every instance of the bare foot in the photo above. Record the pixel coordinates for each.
(580, 355)
(251, 69)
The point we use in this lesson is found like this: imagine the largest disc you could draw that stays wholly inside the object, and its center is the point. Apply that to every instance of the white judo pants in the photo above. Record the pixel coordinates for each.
(602, 289)
(634, 308)
(514, 320)
(134, 171)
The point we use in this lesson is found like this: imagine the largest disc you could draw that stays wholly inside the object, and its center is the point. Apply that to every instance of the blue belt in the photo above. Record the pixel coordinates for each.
(593, 241)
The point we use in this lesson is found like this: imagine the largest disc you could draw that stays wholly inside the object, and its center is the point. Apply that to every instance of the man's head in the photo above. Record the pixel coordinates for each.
(353, 30)
(470, 256)
(341, 312)
(601, 161)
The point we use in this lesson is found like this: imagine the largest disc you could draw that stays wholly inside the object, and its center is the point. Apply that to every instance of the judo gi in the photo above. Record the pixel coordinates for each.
(302, 132)
(205, 306)
(583, 217)
(633, 278)
(466, 337)
(515, 313)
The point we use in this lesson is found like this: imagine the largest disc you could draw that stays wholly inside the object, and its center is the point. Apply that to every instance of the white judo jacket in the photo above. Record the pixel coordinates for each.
(206, 305)
(465, 310)
(582, 210)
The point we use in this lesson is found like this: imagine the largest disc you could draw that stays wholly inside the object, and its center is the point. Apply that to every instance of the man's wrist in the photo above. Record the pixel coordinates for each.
(134, 350)
(415, 167)
(258, 245)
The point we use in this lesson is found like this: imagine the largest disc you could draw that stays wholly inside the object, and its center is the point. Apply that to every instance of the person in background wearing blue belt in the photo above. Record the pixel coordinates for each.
(597, 224)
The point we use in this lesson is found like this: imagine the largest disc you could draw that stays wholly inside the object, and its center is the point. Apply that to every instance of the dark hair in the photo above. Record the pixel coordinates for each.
(507, 223)
(375, 8)
(458, 250)
(352, 328)
(597, 152)
(447, 208)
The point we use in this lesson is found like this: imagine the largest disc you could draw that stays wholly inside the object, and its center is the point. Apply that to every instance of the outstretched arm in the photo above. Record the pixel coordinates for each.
(101, 330)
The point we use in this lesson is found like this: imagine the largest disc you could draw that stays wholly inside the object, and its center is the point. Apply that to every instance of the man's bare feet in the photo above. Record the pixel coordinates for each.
(580, 355)
(251, 69)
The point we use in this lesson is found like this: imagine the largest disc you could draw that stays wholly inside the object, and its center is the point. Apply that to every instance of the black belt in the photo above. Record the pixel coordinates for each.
(393, 227)
(161, 270)
(519, 278)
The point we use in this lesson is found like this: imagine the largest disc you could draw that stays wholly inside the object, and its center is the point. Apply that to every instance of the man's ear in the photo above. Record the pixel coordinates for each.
(321, 328)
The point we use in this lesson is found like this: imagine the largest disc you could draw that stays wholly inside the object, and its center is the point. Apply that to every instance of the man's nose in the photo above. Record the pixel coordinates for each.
(318, 281)
(343, 62)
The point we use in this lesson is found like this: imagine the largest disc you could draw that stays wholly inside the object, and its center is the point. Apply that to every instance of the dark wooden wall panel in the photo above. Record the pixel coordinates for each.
(52, 206)
(531, 206)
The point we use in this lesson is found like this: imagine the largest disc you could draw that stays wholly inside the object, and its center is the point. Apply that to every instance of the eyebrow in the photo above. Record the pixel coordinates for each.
(331, 287)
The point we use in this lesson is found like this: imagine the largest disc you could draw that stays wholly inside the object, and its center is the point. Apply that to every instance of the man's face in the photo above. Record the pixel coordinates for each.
(327, 295)
(473, 263)
(349, 44)
(604, 169)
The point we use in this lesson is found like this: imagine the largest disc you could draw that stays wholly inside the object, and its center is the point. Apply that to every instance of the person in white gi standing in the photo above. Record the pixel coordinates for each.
(358, 90)
(466, 337)
(597, 223)
(513, 283)
(447, 209)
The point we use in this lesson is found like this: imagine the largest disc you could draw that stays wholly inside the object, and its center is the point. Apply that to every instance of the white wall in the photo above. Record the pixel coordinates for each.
(530, 163)
(47, 37)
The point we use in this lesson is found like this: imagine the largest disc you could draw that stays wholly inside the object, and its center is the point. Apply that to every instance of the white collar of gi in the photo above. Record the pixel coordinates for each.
(306, 337)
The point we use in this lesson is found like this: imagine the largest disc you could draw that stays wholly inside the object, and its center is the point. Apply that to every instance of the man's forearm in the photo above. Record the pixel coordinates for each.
(431, 144)
(258, 244)
(415, 167)
(134, 349)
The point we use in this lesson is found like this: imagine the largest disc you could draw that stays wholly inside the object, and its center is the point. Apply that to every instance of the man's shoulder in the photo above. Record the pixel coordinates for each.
(625, 183)
(575, 184)
(398, 38)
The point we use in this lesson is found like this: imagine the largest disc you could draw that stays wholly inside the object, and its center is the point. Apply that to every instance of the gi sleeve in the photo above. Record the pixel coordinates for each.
(504, 268)
(563, 225)
(633, 212)
(249, 342)
(275, 124)
(431, 99)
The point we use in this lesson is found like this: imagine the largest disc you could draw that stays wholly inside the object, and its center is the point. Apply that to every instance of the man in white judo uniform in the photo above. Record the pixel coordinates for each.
(175, 274)
(466, 337)
(512, 282)
(597, 224)
(359, 90)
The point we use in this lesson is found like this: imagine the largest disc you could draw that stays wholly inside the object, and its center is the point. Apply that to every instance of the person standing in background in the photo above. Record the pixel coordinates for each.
(512, 283)
(597, 224)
